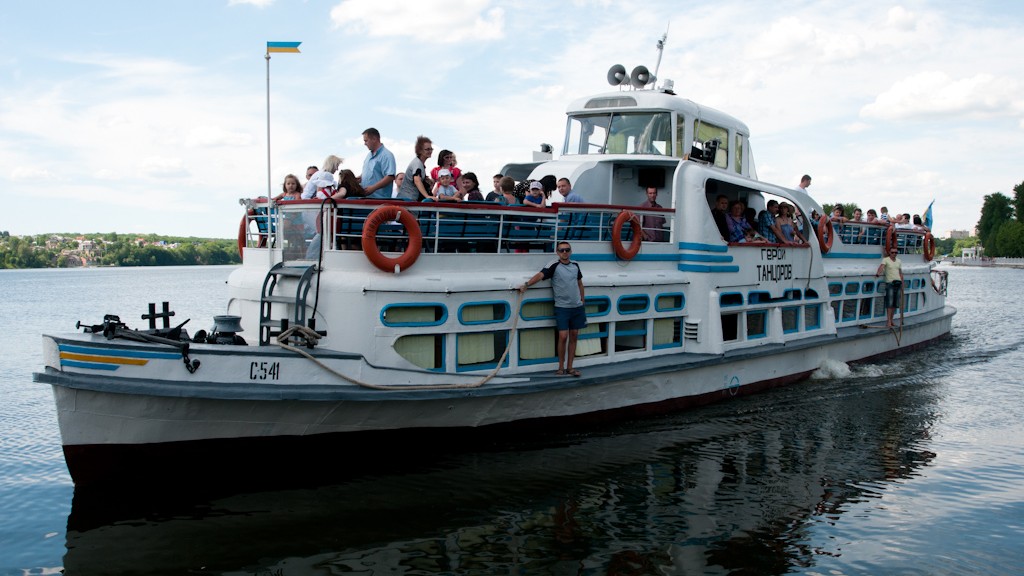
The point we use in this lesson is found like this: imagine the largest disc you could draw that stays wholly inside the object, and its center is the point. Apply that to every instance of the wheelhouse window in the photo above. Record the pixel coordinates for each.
(705, 133)
(620, 133)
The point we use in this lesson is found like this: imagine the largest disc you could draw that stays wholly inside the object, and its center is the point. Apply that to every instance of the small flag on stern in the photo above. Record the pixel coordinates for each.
(927, 217)
(283, 47)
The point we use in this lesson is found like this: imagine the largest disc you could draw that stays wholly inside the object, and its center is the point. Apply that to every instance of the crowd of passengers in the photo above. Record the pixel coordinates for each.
(446, 182)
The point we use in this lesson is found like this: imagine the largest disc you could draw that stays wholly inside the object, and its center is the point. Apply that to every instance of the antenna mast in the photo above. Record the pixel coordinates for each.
(661, 49)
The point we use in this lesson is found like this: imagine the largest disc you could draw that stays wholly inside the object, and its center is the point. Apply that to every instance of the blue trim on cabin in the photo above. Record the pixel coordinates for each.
(703, 247)
(597, 301)
(707, 269)
(704, 258)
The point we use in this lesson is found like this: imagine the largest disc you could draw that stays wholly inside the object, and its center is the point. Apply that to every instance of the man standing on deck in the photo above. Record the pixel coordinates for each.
(805, 181)
(893, 268)
(652, 225)
(379, 168)
(570, 315)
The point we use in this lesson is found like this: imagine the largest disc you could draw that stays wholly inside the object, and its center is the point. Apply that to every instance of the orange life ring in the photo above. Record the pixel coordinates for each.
(634, 246)
(241, 235)
(890, 238)
(825, 240)
(385, 214)
(929, 247)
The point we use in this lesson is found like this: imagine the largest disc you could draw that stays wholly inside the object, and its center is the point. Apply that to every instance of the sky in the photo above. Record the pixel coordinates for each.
(151, 117)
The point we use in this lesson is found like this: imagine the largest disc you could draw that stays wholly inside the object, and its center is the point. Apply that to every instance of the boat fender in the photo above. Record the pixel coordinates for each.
(825, 237)
(373, 222)
(929, 247)
(634, 246)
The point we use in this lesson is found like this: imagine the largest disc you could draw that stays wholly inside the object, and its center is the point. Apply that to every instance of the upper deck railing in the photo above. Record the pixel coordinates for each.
(298, 227)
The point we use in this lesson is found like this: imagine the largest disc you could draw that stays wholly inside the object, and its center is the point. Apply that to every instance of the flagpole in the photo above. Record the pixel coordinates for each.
(268, 125)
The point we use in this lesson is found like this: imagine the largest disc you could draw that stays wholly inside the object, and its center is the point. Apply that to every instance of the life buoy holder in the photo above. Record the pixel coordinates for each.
(825, 239)
(634, 246)
(929, 247)
(890, 239)
(412, 228)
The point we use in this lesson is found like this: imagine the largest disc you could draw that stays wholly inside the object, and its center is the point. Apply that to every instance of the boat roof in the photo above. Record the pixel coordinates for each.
(646, 100)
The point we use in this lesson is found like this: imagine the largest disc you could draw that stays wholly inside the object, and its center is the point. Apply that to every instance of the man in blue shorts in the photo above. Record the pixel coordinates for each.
(570, 315)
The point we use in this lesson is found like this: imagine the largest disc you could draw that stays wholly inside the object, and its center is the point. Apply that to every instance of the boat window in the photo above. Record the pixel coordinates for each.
(729, 327)
(680, 148)
(791, 294)
(790, 319)
(630, 335)
(593, 339)
(669, 302)
(849, 310)
(537, 345)
(668, 333)
(414, 315)
(812, 317)
(538, 310)
(879, 306)
(836, 304)
(704, 133)
(759, 298)
(810, 294)
(634, 304)
(597, 305)
(730, 299)
(481, 350)
(852, 287)
(869, 287)
(483, 312)
(835, 289)
(738, 160)
(423, 350)
(620, 133)
(757, 324)
(865, 308)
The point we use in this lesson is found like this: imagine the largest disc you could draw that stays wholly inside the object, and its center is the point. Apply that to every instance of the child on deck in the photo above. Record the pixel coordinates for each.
(444, 190)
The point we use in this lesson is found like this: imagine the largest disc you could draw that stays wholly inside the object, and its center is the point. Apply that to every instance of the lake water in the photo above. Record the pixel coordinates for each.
(914, 465)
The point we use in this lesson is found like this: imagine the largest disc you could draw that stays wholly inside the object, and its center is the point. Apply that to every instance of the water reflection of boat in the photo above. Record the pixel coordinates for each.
(436, 338)
(729, 487)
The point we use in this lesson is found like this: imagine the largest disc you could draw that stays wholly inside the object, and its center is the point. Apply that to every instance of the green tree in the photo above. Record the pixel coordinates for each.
(995, 210)
(958, 247)
(1018, 201)
(1009, 239)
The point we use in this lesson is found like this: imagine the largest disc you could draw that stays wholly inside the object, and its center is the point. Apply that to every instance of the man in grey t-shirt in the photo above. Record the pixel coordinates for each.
(570, 314)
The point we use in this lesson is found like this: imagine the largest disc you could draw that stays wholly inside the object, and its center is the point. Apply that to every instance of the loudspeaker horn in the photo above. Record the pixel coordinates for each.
(617, 75)
(641, 77)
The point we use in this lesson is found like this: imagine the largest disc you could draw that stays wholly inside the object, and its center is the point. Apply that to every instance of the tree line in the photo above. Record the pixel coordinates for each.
(1001, 226)
(113, 249)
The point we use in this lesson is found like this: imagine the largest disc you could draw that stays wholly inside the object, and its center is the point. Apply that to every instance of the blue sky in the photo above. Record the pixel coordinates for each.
(151, 116)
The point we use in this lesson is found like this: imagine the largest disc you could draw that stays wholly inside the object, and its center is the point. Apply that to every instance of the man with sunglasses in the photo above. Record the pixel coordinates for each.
(570, 315)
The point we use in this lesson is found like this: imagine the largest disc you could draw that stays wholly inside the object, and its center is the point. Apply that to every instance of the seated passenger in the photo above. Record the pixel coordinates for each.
(443, 190)
(766, 224)
(535, 197)
(858, 231)
(737, 222)
(788, 232)
(720, 213)
(653, 225)
(919, 224)
(507, 186)
(751, 237)
(470, 187)
(322, 179)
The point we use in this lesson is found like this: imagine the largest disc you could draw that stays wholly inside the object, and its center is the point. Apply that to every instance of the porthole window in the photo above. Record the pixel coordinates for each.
(483, 313)
(413, 315)
(635, 304)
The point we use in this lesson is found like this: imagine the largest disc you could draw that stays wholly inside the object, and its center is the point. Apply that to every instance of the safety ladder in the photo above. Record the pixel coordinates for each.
(271, 326)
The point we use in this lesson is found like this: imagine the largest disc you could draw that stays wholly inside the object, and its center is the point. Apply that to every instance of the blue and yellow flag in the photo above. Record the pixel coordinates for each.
(283, 47)
(927, 216)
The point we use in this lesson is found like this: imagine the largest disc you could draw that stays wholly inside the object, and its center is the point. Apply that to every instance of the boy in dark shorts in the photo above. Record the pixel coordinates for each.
(570, 315)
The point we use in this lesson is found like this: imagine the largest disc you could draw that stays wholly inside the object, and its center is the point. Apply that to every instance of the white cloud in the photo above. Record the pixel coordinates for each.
(935, 93)
(214, 136)
(448, 23)
(256, 3)
(900, 18)
(163, 168)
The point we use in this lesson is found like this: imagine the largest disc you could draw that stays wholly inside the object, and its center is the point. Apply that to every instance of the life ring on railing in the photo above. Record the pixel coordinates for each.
(634, 246)
(929, 247)
(825, 240)
(412, 251)
(241, 235)
(890, 238)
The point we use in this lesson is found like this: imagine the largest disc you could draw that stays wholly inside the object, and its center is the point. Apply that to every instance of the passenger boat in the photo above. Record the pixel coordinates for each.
(407, 322)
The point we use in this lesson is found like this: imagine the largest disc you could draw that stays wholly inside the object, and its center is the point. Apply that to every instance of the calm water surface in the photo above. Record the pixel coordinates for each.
(914, 465)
